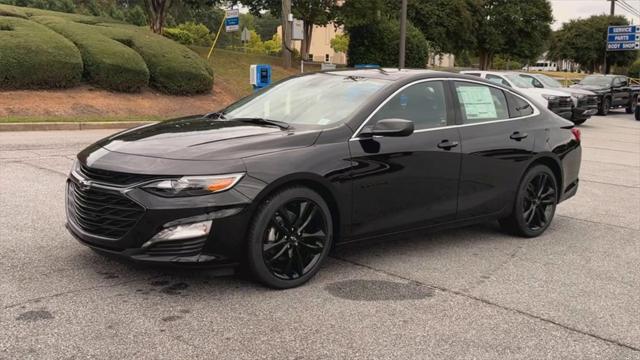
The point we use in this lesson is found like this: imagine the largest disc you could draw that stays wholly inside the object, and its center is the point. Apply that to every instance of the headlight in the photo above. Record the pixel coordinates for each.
(550, 97)
(193, 185)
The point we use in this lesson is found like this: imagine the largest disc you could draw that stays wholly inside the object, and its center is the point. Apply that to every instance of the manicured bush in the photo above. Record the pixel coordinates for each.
(33, 56)
(179, 35)
(118, 56)
(107, 63)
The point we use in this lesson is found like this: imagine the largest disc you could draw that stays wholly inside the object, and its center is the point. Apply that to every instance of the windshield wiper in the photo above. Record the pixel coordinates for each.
(257, 120)
(215, 115)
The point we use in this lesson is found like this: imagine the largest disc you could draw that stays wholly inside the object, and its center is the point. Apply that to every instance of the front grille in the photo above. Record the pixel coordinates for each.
(187, 247)
(588, 101)
(113, 177)
(101, 213)
(565, 101)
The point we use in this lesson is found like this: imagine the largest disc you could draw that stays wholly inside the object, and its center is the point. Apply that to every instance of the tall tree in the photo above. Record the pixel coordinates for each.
(513, 28)
(157, 10)
(584, 41)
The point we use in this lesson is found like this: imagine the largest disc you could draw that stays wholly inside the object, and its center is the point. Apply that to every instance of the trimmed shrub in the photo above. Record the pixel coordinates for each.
(107, 63)
(136, 16)
(179, 35)
(33, 56)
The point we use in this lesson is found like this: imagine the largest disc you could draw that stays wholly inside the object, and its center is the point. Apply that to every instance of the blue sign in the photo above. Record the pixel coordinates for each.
(623, 38)
(232, 20)
(625, 29)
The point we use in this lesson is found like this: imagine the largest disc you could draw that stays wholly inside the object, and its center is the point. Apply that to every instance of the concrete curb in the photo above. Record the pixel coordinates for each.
(45, 126)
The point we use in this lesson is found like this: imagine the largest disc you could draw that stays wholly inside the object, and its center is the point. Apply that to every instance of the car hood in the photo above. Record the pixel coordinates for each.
(198, 138)
(579, 91)
(590, 87)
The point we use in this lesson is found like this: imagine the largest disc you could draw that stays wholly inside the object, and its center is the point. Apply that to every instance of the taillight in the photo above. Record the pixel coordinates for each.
(576, 133)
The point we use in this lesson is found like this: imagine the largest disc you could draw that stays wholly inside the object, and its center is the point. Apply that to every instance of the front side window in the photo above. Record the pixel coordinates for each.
(423, 103)
(319, 99)
(481, 103)
(532, 81)
(598, 80)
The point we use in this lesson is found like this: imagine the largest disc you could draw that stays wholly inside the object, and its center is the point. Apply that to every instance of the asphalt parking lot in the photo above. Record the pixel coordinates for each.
(472, 293)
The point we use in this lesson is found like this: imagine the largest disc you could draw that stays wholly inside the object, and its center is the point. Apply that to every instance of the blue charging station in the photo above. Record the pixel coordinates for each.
(260, 76)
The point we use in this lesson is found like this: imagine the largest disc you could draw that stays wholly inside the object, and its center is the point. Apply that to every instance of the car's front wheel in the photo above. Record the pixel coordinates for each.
(605, 105)
(289, 238)
(631, 108)
(535, 203)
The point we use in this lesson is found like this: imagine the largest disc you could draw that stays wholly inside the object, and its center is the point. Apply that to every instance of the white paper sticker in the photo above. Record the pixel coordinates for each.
(478, 102)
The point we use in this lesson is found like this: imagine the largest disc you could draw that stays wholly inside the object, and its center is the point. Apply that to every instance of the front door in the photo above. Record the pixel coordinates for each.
(412, 181)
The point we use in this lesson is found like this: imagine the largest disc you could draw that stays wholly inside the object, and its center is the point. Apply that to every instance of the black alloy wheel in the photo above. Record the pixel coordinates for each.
(605, 105)
(631, 108)
(290, 238)
(535, 203)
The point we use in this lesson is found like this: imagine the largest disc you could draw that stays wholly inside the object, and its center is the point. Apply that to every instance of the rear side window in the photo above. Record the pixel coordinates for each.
(423, 103)
(517, 106)
(481, 103)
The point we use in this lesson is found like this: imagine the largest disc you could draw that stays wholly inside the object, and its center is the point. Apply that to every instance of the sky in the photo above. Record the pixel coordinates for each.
(565, 10)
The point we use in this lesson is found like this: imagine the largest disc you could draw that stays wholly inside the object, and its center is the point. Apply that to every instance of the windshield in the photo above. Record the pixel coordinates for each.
(549, 81)
(596, 80)
(318, 99)
(518, 82)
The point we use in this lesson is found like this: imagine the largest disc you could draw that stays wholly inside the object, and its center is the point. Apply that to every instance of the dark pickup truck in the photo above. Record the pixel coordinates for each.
(614, 91)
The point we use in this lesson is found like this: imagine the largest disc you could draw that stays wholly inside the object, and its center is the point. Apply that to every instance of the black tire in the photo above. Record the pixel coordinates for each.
(631, 108)
(285, 252)
(638, 113)
(535, 203)
(605, 105)
(579, 122)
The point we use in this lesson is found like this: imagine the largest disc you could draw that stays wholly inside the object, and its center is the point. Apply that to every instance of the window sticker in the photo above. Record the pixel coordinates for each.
(477, 101)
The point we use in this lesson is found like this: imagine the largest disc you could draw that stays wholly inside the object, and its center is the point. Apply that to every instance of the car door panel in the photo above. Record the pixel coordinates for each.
(412, 181)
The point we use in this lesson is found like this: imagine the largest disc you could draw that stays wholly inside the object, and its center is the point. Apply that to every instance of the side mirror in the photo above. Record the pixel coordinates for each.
(389, 127)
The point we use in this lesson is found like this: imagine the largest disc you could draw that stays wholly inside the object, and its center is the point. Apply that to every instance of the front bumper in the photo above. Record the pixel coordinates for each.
(583, 113)
(222, 247)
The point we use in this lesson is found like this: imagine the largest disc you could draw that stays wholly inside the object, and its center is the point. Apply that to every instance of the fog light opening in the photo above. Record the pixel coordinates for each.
(181, 232)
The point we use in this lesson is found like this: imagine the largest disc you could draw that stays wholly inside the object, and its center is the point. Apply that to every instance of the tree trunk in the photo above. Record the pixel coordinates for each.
(485, 58)
(157, 10)
(306, 42)
(286, 34)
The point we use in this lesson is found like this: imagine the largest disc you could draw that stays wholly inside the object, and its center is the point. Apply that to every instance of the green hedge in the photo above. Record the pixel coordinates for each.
(33, 56)
(107, 62)
(181, 36)
(123, 57)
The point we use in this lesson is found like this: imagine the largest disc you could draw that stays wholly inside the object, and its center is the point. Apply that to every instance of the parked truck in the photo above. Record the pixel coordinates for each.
(614, 91)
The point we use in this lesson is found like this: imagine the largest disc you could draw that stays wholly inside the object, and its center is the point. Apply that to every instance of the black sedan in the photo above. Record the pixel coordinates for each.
(279, 178)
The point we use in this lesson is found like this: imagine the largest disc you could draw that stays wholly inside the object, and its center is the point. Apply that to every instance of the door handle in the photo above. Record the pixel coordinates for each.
(517, 136)
(447, 145)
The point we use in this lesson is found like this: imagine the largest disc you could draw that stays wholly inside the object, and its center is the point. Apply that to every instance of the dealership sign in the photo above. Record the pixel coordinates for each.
(232, 20)
(626, 37)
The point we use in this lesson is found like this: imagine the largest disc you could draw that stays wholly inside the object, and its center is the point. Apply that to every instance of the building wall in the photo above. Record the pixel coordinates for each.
(321, 44)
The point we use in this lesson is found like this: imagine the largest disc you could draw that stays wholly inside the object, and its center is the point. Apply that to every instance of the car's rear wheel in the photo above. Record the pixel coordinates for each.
(631, 108)
(579, 122)
(535, 203)
(605, 105)
(289, 237)
(638, 113)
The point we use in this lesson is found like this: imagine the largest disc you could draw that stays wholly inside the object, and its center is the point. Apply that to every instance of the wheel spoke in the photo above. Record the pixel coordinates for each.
(528, 215)
(272, 245)
(320, 234)
(304, 206)
(279, 253)
(313, 248)
(541, 183)
(299, 262)
(308, 219)
(542, 217)
(284, 214)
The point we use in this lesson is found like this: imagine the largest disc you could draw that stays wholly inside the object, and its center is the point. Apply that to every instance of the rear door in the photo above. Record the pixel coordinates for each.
(497, 137)
(621, 91)
(412, 181)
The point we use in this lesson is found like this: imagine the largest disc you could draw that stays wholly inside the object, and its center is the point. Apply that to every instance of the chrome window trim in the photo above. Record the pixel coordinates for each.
(536, 111)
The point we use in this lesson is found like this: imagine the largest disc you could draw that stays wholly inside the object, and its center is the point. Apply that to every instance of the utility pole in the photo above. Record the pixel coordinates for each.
(611, 13)
(286, 34)
(403, 33)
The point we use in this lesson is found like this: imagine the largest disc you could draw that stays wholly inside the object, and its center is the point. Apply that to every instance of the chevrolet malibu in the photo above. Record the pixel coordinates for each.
(276, 180)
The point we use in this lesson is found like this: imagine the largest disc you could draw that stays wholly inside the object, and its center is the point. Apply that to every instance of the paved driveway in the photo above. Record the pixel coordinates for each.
(573, 293)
